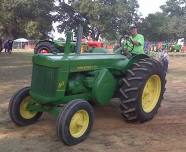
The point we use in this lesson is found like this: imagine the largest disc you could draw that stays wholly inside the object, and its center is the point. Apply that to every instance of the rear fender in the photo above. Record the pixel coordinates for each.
(45, 41)
(135, 59)
(58, 47)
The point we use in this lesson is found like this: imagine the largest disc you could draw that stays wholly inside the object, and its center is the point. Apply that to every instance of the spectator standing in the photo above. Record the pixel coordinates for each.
(1, 45)
(10, 45)
(164, 59)
(6, 46)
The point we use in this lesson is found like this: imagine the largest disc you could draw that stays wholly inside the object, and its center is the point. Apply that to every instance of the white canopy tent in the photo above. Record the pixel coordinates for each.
(20, 42)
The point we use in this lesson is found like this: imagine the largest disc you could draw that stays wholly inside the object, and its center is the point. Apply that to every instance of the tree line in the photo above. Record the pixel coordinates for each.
(170, 24)
(111, 18)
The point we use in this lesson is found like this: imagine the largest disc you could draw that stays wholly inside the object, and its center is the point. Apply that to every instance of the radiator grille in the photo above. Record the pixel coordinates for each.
(44, 80)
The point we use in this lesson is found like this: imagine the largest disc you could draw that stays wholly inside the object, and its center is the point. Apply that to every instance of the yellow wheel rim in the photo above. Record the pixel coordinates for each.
(79, 123)
(24, 112)
(151, 93)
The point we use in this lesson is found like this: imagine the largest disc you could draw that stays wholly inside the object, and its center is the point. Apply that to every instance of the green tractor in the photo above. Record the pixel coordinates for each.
(56, 46)
(176, 48)
(47, 46)
(66, 84)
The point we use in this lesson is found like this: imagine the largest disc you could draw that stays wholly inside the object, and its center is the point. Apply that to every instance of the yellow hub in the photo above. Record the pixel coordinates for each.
(151, 93)
(24, 112)
(79, 123)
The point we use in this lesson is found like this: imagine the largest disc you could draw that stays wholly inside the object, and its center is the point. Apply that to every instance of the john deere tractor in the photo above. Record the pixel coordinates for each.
(66, 84)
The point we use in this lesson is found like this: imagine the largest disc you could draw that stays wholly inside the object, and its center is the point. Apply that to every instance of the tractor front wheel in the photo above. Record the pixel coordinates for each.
(142, 90)
(18, 108)
(75, 122)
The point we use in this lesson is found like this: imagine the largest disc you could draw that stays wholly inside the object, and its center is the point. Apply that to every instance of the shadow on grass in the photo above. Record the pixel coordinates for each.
(15, 73)
(15, 59)
(15, 66)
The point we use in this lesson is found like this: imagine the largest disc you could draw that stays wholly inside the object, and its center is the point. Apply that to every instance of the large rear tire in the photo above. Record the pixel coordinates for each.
(142, 90)
(45, 47)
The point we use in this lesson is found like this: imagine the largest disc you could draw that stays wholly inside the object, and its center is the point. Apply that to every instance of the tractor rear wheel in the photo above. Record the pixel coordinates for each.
(45, 47)
(75, 122)
(18, 108)
(142, 90)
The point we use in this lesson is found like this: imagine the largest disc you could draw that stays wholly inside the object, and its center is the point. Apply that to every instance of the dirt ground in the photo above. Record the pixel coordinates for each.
(165, 133)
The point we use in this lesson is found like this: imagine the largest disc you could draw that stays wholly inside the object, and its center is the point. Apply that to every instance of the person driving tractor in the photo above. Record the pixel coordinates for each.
(135, 42)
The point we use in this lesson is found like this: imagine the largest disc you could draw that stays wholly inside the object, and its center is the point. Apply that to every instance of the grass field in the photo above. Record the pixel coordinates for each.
(165, 133)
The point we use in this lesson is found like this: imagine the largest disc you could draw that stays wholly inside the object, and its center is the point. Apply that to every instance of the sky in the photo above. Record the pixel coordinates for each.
(150, 6)
(146, 7)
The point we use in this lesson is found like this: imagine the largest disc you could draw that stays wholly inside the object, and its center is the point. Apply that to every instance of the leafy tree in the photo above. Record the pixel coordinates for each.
(103, 16)
(26, 18)
(174, 8)
(154, 27)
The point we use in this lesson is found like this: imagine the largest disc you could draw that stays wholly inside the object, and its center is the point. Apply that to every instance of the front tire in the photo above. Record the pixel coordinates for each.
(75, 122)
(142, 90)
(18, 111)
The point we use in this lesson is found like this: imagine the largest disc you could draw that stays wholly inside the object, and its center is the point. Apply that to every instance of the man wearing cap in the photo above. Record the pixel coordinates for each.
(137, 41)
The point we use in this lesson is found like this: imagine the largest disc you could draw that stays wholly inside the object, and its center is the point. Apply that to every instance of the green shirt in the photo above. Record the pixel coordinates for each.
(138, 49)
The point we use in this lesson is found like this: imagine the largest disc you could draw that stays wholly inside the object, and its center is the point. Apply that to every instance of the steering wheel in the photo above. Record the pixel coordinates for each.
(126, 43)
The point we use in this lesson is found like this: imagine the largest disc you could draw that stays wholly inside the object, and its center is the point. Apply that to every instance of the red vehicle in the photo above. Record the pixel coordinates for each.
(95, 44)
(91, 43)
